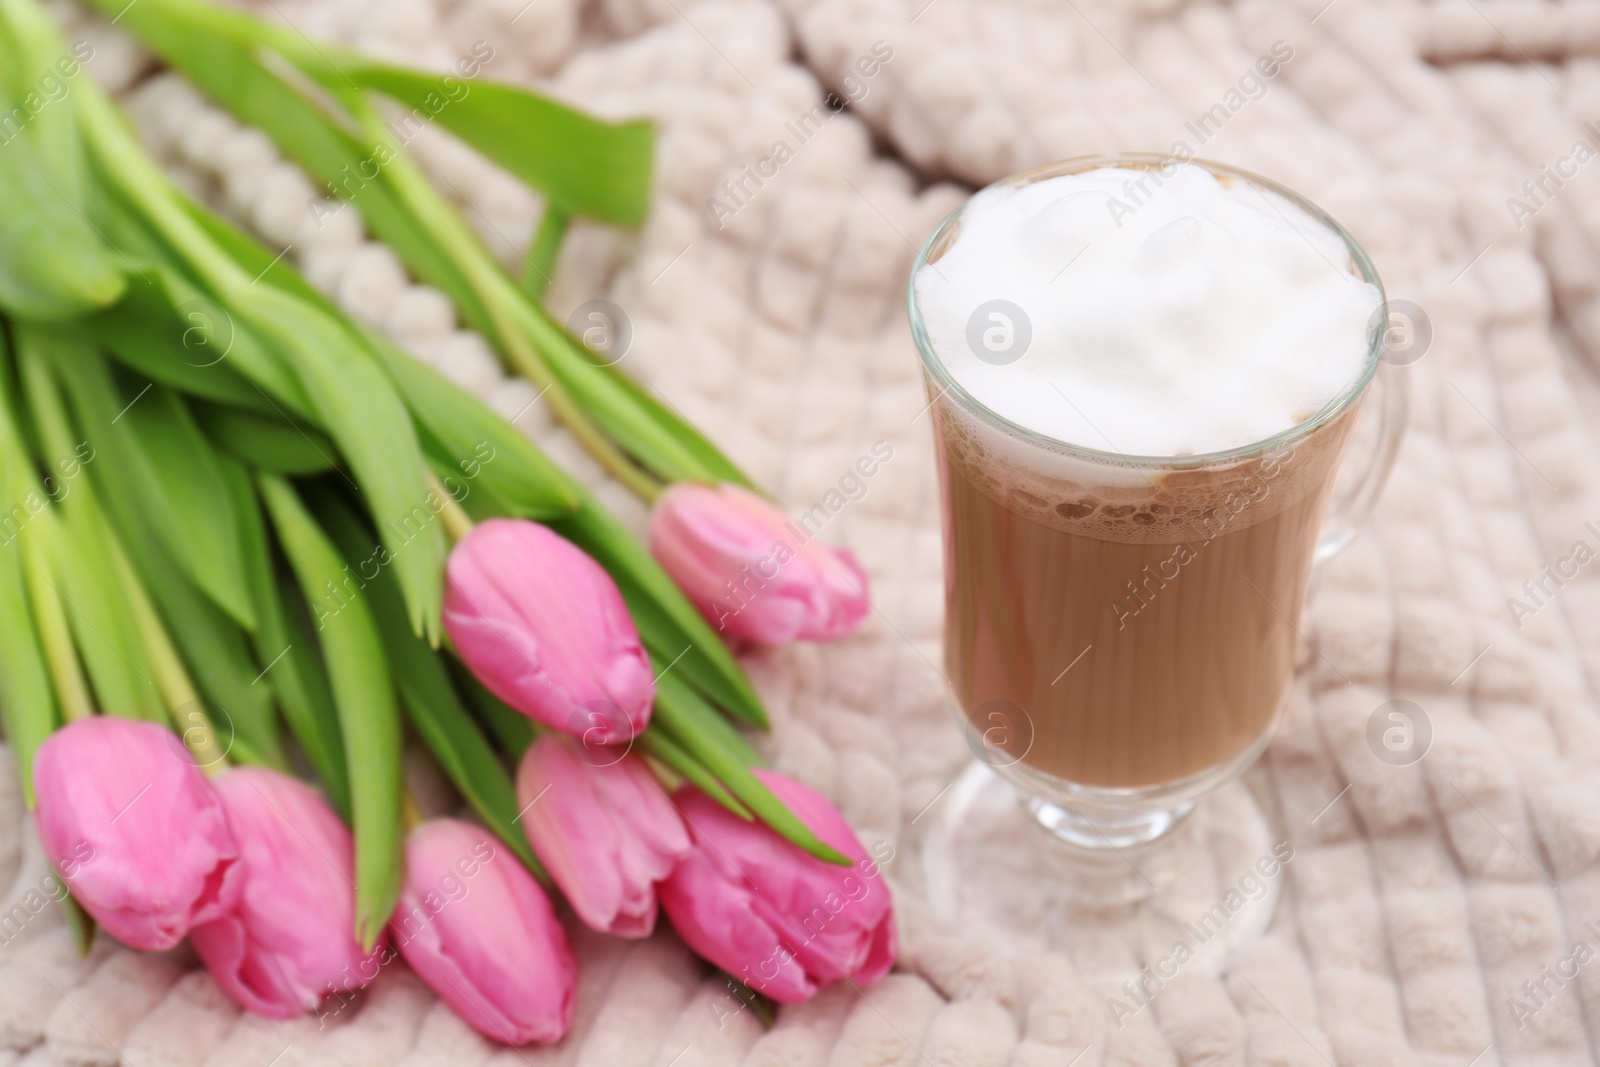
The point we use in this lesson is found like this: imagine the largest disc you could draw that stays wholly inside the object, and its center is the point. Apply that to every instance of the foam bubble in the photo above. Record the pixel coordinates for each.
(1166, 314)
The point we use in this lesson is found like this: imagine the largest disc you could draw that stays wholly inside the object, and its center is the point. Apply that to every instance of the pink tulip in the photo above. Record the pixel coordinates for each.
(477, 928)
(544, 628)
(604, 830)
(751, 571)
(135, 829)
(780, 920)
(289, 943)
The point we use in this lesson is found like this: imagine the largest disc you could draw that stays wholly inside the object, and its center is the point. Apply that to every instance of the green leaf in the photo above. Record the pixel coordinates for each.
(232, 76)
(53, 265)
(512, 730)
(364, 697)
(165, 473)
(434, 242)
(260, 263)
(697, 662)
(181, 494)
(213, 647)
(423, 229)
(693, 708)
(658, 742)
(37, 61)
(360, 410)
(713, 466)
(149, 651)
(287, 649)
(653, 435)
(219, 656)
(214, 650)
(588, 396)
(479, 443)
(455, 427)
(349, 396)
(31, 530)
(168, 331)
(81, 571)
(305, 696)
(268, 442)
(674, 712)
(27, 703)
(425, 691)
(188, 272)
(102, 620)
(184, 704)
(668, 623)
(588, 167)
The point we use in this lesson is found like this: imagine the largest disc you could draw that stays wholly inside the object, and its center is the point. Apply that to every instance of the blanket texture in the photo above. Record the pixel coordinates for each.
(1437, 913)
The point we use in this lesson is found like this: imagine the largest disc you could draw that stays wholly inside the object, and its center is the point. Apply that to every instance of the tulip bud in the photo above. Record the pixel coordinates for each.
(750, 571)
(603, 829)
(477, 928)
(290, 942)
(136, 830)
(544, 628)
(780, 920)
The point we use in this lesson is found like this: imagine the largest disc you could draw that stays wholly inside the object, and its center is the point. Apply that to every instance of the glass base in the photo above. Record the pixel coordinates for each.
(1138, 895)
(1085, 826)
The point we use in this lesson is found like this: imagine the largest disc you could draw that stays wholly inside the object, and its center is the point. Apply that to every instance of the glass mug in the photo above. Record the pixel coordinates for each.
(1120, 631)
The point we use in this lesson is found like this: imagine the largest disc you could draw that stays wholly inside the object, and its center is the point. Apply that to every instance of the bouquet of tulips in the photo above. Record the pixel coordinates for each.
(249, 548)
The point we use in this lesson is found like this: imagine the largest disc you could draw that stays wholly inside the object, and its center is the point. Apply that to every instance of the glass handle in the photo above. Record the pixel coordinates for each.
(1389, 399)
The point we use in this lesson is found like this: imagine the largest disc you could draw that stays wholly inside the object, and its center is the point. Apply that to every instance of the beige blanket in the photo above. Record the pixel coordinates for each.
(1433, 913)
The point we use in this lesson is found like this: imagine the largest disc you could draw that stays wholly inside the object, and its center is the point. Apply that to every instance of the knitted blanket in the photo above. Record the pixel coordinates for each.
(1438, 912)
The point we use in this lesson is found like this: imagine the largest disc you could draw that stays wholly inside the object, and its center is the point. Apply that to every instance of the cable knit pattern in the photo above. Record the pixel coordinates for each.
(1421, 898)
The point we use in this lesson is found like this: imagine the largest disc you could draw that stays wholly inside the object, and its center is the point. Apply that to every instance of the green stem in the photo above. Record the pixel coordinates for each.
(143, 184)
(33, 567)
(55, 633)
(79, 570)
(457, 523)
(541, 259)
(345, 387)
(172, 679)
(499, 296)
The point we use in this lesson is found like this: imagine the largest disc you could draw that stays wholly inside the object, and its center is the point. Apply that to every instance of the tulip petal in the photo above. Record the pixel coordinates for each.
(478, 929)
(544, 627)
(750, 571)
(649, 840)
(606, 832)
(881, 956)
(569, 832)
(782, 921)
(845, 604)
(289, 942)
(251, 979)
(714, 916)
(136, 830)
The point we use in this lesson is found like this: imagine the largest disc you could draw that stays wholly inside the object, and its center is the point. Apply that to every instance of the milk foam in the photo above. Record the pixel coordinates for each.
(1190, 317)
